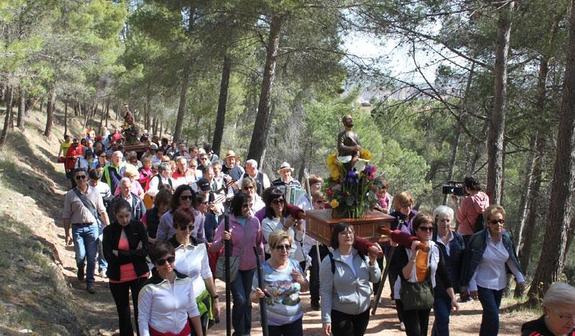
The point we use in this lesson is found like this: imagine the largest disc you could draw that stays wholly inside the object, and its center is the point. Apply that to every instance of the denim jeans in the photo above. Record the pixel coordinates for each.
(490, 301)
(441, 310)
(86, 246)
(242, 309)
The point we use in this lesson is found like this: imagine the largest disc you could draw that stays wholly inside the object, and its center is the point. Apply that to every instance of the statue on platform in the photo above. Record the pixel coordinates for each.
(348, 146)
(129, 129)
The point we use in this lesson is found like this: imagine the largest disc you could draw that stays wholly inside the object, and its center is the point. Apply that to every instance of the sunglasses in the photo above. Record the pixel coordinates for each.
(187, 227)
(186, 198)
(81, 177)
(426, 228)
(162, 262)
(497, 221)
(282, 247)
(278, 201)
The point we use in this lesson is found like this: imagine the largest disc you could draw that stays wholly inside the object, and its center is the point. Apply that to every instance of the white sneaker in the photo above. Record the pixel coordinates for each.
(401, 326)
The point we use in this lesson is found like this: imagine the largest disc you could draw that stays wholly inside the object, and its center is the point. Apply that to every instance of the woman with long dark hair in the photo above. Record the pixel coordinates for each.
(125, 246)
(244, 233)
(182, 198)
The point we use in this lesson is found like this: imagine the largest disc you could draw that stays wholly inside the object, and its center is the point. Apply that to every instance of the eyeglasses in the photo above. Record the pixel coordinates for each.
(497, 221)
(187, 227)
(81, 177)
(426, 228)
(162, 262)
(283, 247)
(278, 201)
(566, 317)
(186, 198)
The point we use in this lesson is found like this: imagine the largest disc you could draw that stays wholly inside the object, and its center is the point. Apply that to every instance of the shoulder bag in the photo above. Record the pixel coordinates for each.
(416, 295)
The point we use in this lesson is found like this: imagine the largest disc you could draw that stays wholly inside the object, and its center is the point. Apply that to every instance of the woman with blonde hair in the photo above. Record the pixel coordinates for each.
(558, 313)
(488, 255)
(283, 280)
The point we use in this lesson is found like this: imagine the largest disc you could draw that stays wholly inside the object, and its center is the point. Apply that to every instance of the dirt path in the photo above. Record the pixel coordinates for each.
(33, 189)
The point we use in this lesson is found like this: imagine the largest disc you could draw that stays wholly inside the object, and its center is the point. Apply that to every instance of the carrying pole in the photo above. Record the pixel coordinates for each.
(263, 309)
(227, 254)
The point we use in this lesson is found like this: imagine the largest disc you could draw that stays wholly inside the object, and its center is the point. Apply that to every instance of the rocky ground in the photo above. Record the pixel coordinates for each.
(39, 292)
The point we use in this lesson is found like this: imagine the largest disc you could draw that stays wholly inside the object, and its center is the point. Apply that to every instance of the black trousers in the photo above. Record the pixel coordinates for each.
(121, 294)
(314, 271)
(343, 324)
(416, 322)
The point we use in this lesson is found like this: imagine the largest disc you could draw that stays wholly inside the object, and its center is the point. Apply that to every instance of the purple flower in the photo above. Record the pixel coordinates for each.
(370, 171)
(352, 177)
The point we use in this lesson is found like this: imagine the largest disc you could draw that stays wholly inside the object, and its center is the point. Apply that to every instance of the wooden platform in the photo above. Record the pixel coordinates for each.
(320, 224)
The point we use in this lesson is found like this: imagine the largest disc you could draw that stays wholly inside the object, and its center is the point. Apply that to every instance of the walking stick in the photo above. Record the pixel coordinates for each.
(382, 281)
(227, 254)
(263, 310)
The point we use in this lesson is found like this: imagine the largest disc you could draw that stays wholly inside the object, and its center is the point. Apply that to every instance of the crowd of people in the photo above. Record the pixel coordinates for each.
(155, 222)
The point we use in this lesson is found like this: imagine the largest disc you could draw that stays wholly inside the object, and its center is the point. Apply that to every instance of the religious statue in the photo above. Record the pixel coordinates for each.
(348, 147)
(129, 129)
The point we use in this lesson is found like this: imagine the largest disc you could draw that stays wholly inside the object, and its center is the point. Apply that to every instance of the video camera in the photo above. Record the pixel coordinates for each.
(453, 187)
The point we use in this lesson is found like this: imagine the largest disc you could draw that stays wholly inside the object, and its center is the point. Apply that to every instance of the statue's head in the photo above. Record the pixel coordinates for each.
(347, 121)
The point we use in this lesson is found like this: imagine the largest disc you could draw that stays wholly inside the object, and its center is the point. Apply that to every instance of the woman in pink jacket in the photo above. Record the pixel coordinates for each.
(470, 208)
(245, 232)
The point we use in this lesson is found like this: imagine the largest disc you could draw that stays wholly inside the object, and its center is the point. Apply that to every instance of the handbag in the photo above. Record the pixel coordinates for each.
(221, 268)
(416, 295)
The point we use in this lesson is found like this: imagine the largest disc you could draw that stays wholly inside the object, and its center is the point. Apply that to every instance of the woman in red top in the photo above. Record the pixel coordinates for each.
(125, 246)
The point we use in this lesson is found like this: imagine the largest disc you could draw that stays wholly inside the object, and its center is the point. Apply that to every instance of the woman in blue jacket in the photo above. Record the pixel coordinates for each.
(451, 245)
(488, 257)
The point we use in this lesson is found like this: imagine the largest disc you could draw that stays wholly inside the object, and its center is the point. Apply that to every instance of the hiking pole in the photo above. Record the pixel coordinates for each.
(227, 254)
(263, 310)
(382, 281)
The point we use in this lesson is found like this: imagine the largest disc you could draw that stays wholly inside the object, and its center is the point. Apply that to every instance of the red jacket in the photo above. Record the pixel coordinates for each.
(74, 152)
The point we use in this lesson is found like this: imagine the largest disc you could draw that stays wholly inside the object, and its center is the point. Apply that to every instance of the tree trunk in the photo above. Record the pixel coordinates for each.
(222, 103)
(527, 230)
(50, 113)
(183, 100)
(147, 112)
(107, 112)
(552, 259)
(8, 118)
(263, 118)
(496, 131)
(65, 117)
(452, 158)
(21, 109)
